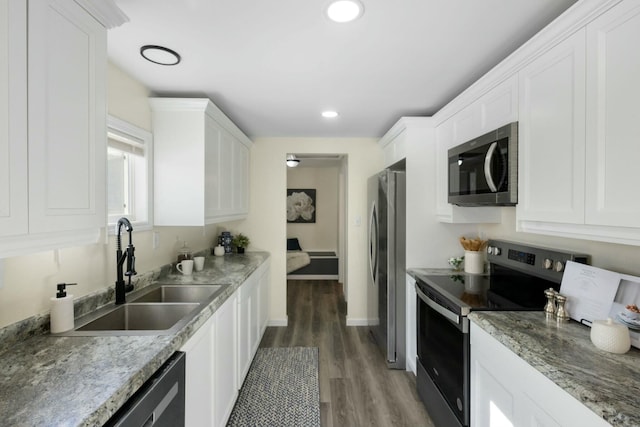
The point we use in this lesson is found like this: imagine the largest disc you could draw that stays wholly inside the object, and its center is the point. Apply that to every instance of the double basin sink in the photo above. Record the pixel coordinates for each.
(159, 309)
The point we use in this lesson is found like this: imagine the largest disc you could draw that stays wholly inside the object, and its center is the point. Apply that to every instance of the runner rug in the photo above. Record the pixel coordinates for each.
(281, 389)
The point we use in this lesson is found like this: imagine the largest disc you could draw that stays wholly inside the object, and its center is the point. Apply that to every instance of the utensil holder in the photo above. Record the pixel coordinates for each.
(474, 262)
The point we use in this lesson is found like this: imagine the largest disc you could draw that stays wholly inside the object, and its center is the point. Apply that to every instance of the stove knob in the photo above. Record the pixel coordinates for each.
(493, 250)
(559, 266)
(547, 264)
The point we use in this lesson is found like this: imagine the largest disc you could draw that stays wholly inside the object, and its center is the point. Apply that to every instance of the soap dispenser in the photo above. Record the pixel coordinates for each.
(62, 310)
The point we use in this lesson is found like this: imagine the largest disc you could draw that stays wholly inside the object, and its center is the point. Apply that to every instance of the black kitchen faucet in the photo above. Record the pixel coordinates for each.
(121, 289)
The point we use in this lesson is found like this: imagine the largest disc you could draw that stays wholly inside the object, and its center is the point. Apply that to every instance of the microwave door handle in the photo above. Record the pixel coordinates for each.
(487, 167)
(452, 317)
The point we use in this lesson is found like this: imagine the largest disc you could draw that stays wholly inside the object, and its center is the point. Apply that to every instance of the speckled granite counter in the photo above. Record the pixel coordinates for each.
(82, 381)
(608, 384)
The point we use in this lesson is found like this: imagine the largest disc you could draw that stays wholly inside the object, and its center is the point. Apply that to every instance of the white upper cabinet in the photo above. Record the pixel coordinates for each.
(551, 130)
(53, 122)
(201, 164)
(67, 117)
(13, 118)
(613, 117)
(579, 131)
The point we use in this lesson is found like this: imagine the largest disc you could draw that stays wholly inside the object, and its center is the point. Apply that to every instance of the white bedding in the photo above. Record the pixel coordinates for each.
(296, 260)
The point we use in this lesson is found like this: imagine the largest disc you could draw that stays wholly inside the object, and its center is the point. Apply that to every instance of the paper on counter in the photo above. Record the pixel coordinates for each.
(590, 291)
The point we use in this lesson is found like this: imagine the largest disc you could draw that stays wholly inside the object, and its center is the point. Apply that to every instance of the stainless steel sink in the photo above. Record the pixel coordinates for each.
(140, 317)
(159, 309)
(177, 293)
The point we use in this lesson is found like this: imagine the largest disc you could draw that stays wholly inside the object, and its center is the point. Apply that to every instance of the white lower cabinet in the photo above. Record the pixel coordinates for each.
(252, 316)
(220, 353)
(508, 392)
(411, 322)
(211, 390)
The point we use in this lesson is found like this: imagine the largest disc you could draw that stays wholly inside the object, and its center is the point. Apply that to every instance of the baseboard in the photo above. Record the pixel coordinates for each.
(411, 365)
(312, 276)
(278, 322)
(357, 322)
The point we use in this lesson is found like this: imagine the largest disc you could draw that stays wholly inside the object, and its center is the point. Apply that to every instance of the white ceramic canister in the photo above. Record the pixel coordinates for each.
(474, 262)
(218, 250)
(610, 336)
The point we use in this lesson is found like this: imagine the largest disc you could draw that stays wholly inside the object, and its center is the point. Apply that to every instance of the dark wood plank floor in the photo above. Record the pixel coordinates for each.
(356, 388)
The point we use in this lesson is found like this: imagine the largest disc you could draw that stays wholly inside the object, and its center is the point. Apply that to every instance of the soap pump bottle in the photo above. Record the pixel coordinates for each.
(62, 310)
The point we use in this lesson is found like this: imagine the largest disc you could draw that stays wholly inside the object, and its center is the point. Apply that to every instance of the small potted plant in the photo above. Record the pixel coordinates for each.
(240, 241)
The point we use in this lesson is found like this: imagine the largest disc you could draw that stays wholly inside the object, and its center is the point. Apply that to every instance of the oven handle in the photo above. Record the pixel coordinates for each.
(452, 317)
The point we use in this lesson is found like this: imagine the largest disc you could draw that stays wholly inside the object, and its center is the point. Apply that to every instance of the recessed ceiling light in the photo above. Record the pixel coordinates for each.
(159, 55)
(344, 10)
(329, 114)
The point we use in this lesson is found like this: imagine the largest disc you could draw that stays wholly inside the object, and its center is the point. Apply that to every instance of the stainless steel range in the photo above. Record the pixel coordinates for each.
(518, 276)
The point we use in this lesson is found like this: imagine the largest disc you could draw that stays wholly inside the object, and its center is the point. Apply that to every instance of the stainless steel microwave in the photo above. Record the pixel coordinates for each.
(484, 171)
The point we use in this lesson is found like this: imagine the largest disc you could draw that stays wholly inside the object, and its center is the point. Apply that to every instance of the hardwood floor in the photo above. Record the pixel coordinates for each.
(356, 388)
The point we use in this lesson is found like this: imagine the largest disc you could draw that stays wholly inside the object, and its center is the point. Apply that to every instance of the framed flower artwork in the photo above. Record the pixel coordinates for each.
(301, 205)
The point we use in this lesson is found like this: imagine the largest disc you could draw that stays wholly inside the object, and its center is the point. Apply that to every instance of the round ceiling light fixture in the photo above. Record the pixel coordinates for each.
(160, 55)
(292, 162)
(329, 114)
(344, 10)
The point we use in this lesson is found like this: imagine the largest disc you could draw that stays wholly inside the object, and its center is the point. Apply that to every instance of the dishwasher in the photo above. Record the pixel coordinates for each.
(160, 400)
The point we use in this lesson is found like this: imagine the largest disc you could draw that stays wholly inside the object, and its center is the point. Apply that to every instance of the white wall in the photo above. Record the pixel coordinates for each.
(429, 243)
(323, 234)
(267, 225)
(29, 281)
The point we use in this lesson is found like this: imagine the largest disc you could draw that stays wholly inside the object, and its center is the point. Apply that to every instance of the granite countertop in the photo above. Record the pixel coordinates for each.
(606, 383)
(81, 381)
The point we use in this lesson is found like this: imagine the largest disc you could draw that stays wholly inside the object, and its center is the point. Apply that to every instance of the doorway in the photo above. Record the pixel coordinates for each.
(316, 215)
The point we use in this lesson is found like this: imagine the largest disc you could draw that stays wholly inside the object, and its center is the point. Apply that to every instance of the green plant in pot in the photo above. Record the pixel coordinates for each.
(240, 241)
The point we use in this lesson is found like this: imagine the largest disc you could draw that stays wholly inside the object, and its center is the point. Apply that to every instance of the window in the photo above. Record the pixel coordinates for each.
(128, 173)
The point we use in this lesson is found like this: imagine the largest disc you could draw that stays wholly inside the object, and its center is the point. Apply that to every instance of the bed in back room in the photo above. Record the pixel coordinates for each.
(310, 265)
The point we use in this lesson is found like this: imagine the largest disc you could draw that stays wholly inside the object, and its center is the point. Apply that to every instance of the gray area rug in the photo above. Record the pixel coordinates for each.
(281, 389)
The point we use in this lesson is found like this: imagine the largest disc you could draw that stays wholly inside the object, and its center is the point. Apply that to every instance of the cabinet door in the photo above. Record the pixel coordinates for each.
(67, 117)
(199, 377)
(240, 183)
(244, 330)
(500, 105)
(264, 299)
(613, 117)
(552, 135)
(225, 387)
(213, 178)
(13, 118)
(492, 402)
(226, 173)
(254, 332)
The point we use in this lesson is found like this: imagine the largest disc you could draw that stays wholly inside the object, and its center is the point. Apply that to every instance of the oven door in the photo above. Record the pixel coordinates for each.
(443, 360)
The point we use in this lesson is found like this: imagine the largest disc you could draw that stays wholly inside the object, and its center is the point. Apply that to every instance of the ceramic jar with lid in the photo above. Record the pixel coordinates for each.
(610, 336)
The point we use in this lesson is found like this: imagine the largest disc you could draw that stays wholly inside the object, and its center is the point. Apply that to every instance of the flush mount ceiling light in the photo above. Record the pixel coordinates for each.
(292, 162)
(159, 55)
(344, 10)
(329, 114)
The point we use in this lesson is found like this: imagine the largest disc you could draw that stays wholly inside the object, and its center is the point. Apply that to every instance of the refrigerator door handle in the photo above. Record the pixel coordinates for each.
(373, 244)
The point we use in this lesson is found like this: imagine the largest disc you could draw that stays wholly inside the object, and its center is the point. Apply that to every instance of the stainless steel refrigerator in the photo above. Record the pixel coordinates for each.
(386, 284)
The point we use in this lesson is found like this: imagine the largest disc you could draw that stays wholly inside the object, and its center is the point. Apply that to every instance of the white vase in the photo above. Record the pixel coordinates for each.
(474, 262)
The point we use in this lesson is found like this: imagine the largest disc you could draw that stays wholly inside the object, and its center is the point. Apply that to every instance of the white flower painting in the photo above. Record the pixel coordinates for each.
(301, 205)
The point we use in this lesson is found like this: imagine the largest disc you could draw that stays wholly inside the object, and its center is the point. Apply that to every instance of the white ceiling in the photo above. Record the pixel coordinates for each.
(273, 65)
